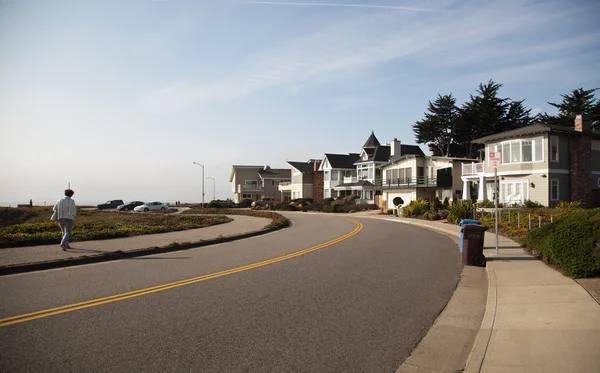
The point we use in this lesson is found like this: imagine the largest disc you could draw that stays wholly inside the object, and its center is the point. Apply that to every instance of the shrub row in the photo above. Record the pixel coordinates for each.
(571, 243)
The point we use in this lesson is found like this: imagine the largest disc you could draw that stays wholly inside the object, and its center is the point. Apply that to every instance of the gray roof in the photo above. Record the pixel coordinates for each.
(275, 173)
(531, 130)
(371, 141)
(303, 166)
(410, 149)
(342, 160)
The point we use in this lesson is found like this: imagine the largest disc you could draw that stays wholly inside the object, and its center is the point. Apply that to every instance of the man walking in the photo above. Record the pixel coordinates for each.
(64, 214)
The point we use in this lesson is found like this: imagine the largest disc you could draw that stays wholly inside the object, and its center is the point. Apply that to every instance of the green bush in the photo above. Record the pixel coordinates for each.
(221, 204)
(571, 243)
(486, 204)
(563, 205)
(531, 204)
(245, 203)
(390, 211)
(446, 203)
(415, 208)
(459, 211)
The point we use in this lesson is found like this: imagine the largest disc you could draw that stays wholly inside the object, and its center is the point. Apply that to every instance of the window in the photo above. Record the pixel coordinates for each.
(296, 177)
(521, 151)
(538, 149)
(251, 182)
(334, 176)
(554, 190)
(246, 196)
(506, 152)
(515, 151)
(554, 149)
(348, 173)
(526, 148)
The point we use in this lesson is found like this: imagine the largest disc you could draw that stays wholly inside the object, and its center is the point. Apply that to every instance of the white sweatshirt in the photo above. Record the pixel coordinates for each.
(64, 209)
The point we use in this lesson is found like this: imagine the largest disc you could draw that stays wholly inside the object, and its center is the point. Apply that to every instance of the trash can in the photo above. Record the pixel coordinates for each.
(473, 236)
(461, 224)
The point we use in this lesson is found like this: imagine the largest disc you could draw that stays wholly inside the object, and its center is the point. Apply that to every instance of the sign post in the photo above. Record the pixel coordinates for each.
(495, 163)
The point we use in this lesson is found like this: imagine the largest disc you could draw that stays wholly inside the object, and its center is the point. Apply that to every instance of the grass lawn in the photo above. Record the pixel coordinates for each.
(278, 220)
(32, 226)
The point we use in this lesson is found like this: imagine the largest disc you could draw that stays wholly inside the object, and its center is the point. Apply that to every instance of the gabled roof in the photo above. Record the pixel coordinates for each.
(303, 166)
(371, 141)
(241, 166)
(380, 153)
(275, 173)
(531, 130)
(342, 160)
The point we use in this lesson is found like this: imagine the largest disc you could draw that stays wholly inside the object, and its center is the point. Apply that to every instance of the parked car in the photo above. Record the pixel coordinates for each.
(263, 202)
(151, 206)
(129, 206)
(113, 204)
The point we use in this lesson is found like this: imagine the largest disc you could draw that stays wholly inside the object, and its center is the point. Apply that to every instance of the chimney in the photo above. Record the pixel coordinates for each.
(317, 163)
(395, 148)
(581, 123)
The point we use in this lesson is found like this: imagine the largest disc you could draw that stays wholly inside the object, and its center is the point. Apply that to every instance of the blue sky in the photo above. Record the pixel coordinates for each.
(120, 97)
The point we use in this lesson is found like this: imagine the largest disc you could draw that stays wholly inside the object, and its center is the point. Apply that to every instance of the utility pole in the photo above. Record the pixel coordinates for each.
(201, 165)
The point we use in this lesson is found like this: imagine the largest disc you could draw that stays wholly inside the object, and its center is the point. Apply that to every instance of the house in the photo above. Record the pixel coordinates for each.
(256, 182)
(416, 176)
(306, 182)
(335, 168)
(542, 163)
(368, 168)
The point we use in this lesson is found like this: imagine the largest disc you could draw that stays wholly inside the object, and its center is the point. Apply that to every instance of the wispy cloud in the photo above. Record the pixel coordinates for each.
(338, 5)
(346, 47)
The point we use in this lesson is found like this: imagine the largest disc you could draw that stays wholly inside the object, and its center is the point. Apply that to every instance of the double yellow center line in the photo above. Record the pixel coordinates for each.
(137, 293)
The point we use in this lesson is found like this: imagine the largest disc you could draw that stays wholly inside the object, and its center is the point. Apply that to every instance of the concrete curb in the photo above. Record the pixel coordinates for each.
(116, 255)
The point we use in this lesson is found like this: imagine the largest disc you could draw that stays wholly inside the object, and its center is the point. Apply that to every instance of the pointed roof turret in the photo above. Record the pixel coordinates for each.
(372, 141)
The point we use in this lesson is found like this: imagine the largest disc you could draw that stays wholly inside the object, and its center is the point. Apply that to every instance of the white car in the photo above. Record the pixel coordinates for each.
(151, 206)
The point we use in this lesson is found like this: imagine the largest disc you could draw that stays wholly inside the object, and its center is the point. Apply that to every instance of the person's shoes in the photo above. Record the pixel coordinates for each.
(64, 247)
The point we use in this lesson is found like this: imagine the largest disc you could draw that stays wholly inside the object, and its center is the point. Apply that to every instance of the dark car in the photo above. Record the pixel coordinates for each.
(129, 206)
(110, 204)
(263, 202)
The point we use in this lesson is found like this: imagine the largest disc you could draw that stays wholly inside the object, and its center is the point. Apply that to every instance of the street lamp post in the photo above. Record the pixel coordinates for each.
(201, 165)
(214, 198)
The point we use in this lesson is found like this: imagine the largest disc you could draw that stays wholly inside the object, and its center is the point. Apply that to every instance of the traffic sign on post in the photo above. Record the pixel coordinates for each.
(494, 160)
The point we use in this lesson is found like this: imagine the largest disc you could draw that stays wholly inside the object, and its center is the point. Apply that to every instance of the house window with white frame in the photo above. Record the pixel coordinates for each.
(520, 151)
(554, 190)
(246, 196)
(553, 149)
(334, 176)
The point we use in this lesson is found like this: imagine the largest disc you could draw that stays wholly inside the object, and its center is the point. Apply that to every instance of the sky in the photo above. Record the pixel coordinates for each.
(119, 98)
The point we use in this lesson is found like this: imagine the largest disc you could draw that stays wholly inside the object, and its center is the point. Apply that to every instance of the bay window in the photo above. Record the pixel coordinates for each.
(521, 151)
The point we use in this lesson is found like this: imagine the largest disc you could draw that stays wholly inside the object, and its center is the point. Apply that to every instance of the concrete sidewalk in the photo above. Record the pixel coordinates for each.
(536, 319)
(24, 256)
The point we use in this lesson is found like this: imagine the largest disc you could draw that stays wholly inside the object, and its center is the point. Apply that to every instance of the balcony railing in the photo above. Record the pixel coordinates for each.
(285, 183)
(250, 188)
(350, 179)
(472, 168)
(415, 182)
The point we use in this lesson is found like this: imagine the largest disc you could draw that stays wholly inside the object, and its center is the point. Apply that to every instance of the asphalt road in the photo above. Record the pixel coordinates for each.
(360, 305)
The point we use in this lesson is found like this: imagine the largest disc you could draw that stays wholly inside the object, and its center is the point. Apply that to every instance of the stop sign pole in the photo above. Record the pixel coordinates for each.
(495, 163)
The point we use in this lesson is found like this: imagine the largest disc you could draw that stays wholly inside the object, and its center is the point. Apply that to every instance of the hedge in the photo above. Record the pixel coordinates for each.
(571, 243)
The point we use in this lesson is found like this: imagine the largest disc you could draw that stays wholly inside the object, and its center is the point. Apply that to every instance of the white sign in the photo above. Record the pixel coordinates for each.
(494, 161)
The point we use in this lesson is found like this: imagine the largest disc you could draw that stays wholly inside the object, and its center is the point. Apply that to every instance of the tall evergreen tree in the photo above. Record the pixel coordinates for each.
(579, 101)
(437, 128)
(450, 130)
(486, 114)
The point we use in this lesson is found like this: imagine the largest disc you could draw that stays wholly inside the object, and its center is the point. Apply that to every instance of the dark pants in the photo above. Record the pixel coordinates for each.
(66, 225)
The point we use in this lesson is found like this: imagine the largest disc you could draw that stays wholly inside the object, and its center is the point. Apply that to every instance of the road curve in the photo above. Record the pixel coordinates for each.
(360, 303)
